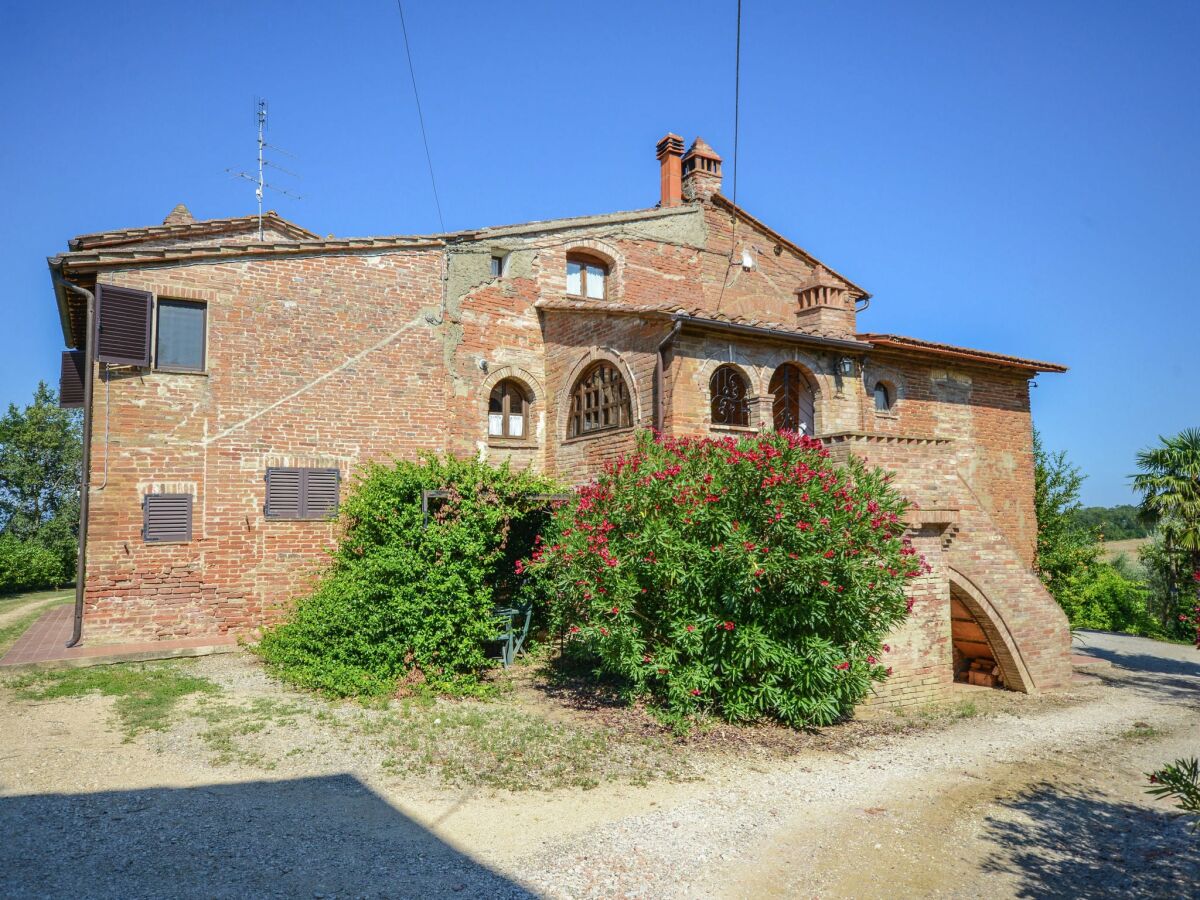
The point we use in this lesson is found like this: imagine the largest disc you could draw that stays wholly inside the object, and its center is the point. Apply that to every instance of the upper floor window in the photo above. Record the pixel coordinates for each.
(586, 277)
(730, 397)
(883, 398)
(180, 336)
(508, 410)
(599, 402)
(497, 266)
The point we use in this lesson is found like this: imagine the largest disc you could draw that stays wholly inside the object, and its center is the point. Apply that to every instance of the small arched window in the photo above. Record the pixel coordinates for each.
(599, 401)
(792, 405)
(586, 277)
(508, 409)
(730, 397)
(883, 397)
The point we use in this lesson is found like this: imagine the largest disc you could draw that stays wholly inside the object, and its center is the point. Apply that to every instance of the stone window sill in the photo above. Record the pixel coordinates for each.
(511, 443)
(886, 415)
(166, 371)
(735, 429)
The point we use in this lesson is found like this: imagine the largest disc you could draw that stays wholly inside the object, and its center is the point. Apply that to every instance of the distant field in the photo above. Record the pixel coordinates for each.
(1113, 549)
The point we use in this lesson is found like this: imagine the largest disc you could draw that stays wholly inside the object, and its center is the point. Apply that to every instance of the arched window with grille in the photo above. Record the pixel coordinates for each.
(508, 410)
(792, 405)
(599, 401)
(730, 393)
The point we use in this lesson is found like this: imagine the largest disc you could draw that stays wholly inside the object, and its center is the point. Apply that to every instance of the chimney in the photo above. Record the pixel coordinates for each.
(670, 152)
(701, 172)
(180, 215)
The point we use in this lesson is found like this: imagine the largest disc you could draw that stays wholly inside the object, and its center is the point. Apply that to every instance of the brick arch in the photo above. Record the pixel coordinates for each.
(1004, 647)
(606, 253)
(740, 361)
(597, 354)
(872, 373)
(517, 374)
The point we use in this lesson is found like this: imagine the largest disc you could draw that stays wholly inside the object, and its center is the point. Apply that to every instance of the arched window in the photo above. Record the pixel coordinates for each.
(587, 277)
(599, 401)
(792, 405)
(508, 408)
(883, 397)
(730, 397)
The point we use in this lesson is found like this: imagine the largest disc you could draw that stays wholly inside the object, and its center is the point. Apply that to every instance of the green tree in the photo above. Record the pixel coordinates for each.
(1168, 479)
(1067, 552)
(40, 453)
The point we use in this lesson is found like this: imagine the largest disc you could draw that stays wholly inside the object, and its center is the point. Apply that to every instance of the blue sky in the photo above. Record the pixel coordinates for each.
(1019, 177)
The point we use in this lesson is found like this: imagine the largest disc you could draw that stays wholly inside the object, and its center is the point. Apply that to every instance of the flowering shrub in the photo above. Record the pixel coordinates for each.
(751, 578)
(406, 601)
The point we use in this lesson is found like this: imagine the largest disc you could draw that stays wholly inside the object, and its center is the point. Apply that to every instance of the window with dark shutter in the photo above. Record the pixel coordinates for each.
(301, 493)
(122, 326)
(179, 337)
(70, 380)
(167, 518)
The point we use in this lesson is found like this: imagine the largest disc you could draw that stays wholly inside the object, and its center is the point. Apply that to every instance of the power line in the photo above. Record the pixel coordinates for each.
(420, 116)
(737, 94)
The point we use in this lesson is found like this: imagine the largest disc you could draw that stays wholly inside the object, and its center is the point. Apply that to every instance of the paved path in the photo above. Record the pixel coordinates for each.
(45, 643)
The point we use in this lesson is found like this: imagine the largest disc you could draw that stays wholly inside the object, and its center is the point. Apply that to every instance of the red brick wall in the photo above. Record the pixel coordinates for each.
(338, 359)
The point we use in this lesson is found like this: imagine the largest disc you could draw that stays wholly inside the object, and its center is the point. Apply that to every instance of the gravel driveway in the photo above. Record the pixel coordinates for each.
(1043, 799)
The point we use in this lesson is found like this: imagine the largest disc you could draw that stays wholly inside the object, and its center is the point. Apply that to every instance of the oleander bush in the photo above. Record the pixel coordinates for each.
(750, 578)
(402, 603)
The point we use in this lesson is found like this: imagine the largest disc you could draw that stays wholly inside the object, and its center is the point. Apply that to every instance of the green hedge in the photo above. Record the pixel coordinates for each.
(405, 602)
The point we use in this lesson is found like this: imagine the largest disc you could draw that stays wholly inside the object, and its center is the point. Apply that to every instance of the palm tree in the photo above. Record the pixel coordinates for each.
(1169, 482)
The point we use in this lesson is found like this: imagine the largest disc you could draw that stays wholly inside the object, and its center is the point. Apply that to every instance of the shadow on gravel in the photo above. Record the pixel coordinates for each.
(309, 837)
(1067, 843)
(1145, 662)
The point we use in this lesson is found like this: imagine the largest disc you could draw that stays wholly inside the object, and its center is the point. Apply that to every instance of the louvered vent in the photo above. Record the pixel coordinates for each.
(123, 325)
(320, 493)
(70, 380)
(302, 493)
(283, 494)
(167, 518)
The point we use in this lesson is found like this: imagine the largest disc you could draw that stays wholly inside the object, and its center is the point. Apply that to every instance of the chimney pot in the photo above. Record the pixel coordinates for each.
(670, 155)
(701, 171)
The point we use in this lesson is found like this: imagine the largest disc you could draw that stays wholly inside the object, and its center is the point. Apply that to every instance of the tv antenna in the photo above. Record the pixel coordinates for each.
(260, 183)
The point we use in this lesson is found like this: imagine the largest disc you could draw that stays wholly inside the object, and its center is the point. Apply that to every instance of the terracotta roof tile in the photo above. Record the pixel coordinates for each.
(986, 357)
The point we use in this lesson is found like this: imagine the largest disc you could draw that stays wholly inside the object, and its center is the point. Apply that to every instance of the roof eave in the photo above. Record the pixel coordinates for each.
(985, 358)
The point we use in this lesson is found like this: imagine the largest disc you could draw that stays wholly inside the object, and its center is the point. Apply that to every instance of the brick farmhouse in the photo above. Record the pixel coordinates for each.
(233, 379)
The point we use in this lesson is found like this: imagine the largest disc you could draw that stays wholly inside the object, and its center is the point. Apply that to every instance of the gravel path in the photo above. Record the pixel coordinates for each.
(1045, 798)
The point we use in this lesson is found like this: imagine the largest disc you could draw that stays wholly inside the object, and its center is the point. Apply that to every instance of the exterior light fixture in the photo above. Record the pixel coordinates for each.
(846, 365)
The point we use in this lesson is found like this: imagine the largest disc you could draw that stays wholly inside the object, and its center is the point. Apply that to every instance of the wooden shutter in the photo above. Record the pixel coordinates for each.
(166, 518)
(70, 380)
(283, 494)
(320, 493)
(123, 325)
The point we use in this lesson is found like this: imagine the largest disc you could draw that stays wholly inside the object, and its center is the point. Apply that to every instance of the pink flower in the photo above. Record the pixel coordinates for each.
(695, 692)
(889, 671)
(842, 666)
(728, 626)
(691, 628)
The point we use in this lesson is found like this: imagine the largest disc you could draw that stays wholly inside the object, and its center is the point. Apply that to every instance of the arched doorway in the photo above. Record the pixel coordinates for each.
(793, 404)
(984, 651)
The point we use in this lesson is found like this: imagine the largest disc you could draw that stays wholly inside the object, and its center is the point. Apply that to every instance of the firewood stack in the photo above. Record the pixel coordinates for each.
(985, 673)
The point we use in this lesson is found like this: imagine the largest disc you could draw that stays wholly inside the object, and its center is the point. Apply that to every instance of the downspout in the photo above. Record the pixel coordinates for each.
(84, 479)
(660, 400)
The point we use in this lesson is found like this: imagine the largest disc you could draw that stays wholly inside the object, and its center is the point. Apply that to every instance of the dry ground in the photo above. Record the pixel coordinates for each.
(205, 778)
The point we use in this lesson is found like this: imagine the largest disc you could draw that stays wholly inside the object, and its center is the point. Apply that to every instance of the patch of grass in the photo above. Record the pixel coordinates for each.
(146, 695)
(1142, 731)
(227, 722)
(10, 601)
(504, 748)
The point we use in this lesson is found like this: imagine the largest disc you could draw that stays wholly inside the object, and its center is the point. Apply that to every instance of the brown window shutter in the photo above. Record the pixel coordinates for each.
(283, 494)
(320, 493)
(123, 325)
(166, 518)
(70, 380)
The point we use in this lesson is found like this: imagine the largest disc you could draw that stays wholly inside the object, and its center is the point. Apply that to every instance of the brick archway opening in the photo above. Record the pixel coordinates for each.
(984, 652)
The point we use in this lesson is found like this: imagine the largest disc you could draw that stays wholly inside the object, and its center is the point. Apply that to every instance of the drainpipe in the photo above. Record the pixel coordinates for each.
(659, 377)
(84, 480)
